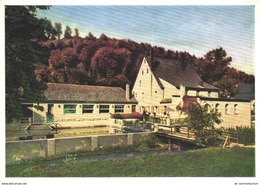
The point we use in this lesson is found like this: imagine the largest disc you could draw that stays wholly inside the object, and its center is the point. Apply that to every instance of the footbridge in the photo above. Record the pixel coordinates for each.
(175, 134)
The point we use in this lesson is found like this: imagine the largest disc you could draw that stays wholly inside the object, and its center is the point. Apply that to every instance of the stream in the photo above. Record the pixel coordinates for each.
(77, 159)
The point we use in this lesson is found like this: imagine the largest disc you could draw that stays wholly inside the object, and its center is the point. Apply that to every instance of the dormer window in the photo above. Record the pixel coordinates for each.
(217, 107)
(236, 109)
(226, 109)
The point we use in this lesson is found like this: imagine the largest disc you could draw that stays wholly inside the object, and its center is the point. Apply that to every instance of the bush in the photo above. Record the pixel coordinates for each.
(116, 116)
(149, 144)
(245, 135)
(133, 115)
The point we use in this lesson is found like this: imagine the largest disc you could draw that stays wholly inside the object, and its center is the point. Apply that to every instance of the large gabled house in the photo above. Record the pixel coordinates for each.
(161, 84)
(70, 102)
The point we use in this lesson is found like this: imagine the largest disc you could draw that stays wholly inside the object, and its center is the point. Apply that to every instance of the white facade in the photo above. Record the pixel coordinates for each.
(160, 97)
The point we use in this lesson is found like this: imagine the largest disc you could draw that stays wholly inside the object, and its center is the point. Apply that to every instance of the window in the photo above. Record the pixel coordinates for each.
(133, 108)
(143, 95)
(236, 109)
(217, 107)
(155, 92)
(226, 109)
(87, 109)
(119, 108)
(70, 109)
(147, 70)
(209, 93)
(103, 109)
(142, 72)
(140, 83)
(197, 93)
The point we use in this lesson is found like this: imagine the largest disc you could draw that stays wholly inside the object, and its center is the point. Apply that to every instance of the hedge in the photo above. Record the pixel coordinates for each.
(133, 115)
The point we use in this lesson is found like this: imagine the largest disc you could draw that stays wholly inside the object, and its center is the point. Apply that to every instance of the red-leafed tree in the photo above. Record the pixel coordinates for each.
(62, 65)
(108, 61)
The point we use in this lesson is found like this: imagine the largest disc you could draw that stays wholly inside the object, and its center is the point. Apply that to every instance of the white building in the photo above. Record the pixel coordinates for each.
(161, 84)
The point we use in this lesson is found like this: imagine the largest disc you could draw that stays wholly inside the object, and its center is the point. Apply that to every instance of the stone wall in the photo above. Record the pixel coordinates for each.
(20, 150)
(23, 150)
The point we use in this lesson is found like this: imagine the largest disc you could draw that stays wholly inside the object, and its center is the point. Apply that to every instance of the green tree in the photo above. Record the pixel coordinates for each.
(23, 52)
(67, 33)
(201, 120)
(49, 30)
(58, 29)
(76, 32)
(214, 65)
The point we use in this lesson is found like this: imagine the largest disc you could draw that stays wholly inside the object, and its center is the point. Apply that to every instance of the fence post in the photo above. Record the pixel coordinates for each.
(51, 147)
(188, 132)
(169, 145)
(130, 139)
(94, 142)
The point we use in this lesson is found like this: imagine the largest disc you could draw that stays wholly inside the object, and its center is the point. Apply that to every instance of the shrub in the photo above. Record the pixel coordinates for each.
(245, 135)
(116, 116)
(149, 144)
(133, 115)
(137, 115)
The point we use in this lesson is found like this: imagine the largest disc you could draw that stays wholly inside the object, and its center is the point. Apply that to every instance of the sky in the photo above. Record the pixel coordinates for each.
(195, 29)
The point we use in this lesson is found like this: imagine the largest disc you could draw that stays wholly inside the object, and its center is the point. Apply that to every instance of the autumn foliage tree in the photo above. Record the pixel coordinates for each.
(109, 61)
(106, 61)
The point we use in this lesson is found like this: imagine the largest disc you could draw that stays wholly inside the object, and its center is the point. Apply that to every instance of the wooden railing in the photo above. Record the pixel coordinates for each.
(25, 120)
(175, 129)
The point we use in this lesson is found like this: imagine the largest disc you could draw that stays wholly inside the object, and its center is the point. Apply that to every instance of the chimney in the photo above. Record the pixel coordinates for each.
(127, 92)
(182, 91)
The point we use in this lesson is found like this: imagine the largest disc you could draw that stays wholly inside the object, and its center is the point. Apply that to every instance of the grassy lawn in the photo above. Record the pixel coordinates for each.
(213, 162)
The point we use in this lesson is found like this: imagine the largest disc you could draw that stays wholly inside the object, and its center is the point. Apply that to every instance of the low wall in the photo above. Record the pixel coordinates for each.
(23, 150)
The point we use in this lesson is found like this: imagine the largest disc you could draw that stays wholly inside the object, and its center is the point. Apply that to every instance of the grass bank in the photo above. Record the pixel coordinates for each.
(210, 162)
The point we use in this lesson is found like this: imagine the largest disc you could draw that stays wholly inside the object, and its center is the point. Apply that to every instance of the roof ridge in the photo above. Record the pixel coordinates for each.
(69, 84)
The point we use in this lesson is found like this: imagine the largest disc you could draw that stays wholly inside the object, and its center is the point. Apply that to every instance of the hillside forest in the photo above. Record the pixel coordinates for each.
(113, 62)
(38, 52)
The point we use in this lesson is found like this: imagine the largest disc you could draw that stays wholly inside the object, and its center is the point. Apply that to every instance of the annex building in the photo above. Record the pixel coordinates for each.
(70, 102)
(161, 84)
